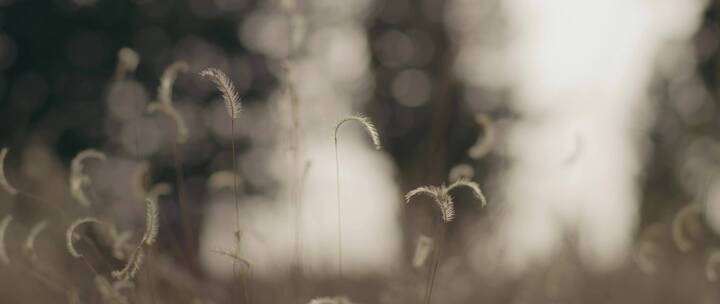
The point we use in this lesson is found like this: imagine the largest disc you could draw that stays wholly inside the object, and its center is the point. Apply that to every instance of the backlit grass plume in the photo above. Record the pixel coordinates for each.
(71, 237)
(366, 123)
(158, 190)
(152, 225)
(128, 60)
(4, 224)
(29, 245)
(225, 86)
(168, 79)
(78, 179)
(149, 236)
(4, 183)
(369, 127)
(443, 199)
(233, 106)
(683, 242)
(164, 102)
(441, 196)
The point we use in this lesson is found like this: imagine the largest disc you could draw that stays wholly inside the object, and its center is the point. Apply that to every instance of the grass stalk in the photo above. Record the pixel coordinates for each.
(182, 203)
(231, 99)
(369, 127)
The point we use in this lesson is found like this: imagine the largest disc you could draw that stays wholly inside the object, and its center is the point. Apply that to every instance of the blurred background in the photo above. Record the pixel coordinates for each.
(590, 126)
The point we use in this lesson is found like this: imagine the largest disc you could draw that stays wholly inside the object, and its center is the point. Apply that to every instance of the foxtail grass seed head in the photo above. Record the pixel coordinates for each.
(138, 262)
(484, 144)
(4, 183)
(78, 179)
(477, 193)
(29, 246)
(164, 102)
(158, 190)
(168, 79)
(680, 221)
(149, 236)
(77, 162)
(443, 199)
(712, 264)
(4, 224)
(151, 222)
(132, 267)
(71, 237)
(128, 61)
(366, 123)
(225, 86)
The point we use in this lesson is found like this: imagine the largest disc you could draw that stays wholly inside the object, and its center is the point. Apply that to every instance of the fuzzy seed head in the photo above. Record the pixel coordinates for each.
(71, 237)
(149, 236)
(128, 60)
(132, 267)
(473, 186)
(225, 86)
(443, 199)
(168, 79)
(78, 179)
(366, 123)
(151, 222)
(158, 190)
